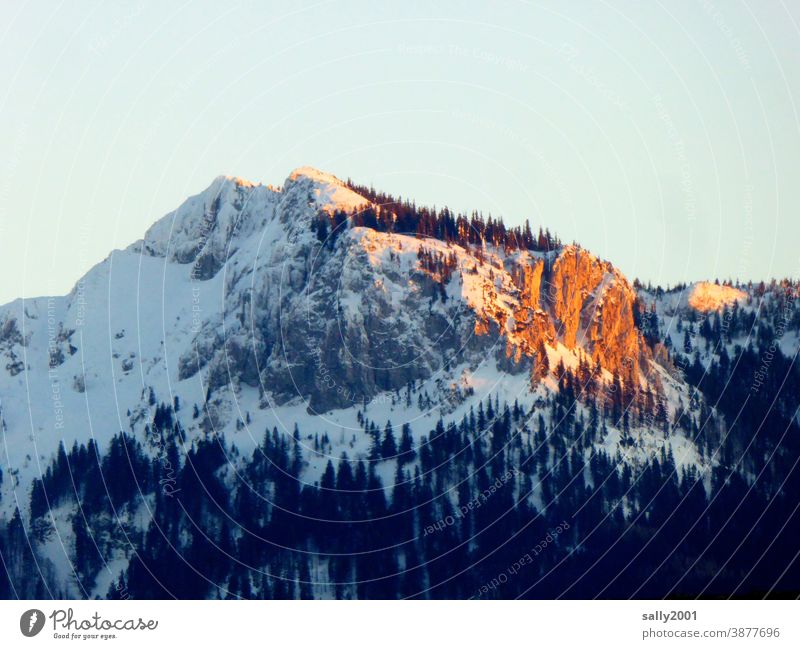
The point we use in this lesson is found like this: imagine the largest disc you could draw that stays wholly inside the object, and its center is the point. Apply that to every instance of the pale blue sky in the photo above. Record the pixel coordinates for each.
(663, 136)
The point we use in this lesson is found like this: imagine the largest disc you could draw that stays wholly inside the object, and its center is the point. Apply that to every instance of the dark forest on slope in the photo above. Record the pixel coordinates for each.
(403, 216)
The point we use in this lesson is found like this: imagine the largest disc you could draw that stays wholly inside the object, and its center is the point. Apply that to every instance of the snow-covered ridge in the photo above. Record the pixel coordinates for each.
(208, 227)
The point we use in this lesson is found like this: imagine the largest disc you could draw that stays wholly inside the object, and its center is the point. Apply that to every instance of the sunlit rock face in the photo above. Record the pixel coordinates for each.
(593, 306)
(376, 320)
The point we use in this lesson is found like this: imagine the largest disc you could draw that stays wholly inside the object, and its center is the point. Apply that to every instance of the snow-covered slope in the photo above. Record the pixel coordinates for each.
(706, 296)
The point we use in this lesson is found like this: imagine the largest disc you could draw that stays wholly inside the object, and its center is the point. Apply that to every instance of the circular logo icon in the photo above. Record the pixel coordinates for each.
(31, 622)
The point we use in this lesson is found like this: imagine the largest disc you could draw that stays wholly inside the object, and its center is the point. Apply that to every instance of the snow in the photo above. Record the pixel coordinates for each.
(330, 192)
(705, 296)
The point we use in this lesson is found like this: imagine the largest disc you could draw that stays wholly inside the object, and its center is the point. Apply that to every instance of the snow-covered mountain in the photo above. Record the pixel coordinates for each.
(253, 308)
(231, 303)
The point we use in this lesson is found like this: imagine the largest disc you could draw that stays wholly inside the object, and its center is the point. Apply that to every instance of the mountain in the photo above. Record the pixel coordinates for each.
(211, 412)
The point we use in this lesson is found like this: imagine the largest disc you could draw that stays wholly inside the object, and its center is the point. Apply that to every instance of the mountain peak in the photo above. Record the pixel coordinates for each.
(314, 174)
(327, 190)
(236, 180)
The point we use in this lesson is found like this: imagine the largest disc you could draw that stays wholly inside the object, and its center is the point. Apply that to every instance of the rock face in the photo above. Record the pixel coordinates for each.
(615, 341)
(532, 325)
(575, 277)
(594, 306)
(365, 318)
(588, 305)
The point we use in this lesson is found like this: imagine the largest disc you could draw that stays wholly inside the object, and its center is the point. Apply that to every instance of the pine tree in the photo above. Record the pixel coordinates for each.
(389, 445)
(406, 450)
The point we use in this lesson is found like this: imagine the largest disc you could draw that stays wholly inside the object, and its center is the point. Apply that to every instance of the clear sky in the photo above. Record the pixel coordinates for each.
(663, 136)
